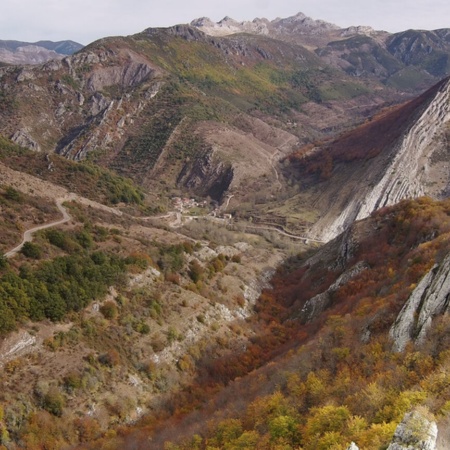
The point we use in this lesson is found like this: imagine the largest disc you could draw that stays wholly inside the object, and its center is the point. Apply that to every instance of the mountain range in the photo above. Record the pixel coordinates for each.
(254, 244)
(17, 52)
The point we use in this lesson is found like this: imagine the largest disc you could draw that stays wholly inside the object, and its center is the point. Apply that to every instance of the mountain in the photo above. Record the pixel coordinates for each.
(299, 29)
(401, 153)
(232, 241)
(17, 52)
(176, 105)
(409, 60)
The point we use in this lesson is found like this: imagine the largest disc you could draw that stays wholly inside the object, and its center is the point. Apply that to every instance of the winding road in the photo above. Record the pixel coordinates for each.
(285, 233)
(28, 234)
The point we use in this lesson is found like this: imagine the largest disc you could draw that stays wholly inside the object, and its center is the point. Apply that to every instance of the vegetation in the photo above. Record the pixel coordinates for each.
(85, 178)
(326, 387)
(360, 144)
(55, 288)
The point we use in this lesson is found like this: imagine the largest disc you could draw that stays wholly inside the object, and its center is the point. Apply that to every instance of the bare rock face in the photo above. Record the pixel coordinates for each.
(429, 298)
(415, 432)
(21, 137)
(208, 176)
(129, 75)
(407, 170)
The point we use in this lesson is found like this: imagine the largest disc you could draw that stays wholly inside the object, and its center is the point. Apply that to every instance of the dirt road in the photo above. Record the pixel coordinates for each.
(28, 235)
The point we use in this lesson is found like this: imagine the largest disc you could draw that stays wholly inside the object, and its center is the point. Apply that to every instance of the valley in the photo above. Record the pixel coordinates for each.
(227, 235)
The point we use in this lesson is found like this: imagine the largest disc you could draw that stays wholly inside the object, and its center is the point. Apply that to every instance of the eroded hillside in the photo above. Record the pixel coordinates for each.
(399, 154)
(164, 105)
(121, 306)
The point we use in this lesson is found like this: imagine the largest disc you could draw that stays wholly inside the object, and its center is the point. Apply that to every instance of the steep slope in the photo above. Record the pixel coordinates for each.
(158, 105)
(332, 377)
(399, 154)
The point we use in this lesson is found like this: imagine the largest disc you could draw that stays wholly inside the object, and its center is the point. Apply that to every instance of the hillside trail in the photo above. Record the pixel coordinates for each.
(28, 234)
(30, 184)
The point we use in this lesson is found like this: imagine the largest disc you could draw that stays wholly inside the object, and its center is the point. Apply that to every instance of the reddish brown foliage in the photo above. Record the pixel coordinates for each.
(364, 142)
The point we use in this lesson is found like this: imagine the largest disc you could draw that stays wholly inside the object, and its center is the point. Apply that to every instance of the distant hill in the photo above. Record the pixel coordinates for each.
(409, 60)
(19, 52)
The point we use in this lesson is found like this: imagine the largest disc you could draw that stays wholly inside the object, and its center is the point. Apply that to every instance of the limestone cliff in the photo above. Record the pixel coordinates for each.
(430, 298)
(412, 165)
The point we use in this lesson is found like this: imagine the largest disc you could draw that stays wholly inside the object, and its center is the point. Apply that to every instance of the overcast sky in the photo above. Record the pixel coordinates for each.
(87, 20)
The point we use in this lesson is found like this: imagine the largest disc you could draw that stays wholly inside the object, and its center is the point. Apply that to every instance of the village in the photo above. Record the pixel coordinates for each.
(191, 206)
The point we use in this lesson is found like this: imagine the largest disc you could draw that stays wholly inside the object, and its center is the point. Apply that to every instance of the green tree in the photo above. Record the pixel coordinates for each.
(54, 401)
(31, 250)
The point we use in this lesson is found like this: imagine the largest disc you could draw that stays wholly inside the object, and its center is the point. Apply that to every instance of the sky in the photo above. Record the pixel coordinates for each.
(84, 21)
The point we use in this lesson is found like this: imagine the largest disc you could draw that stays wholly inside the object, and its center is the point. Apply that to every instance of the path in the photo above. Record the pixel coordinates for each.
(285, 233)
(28, 234)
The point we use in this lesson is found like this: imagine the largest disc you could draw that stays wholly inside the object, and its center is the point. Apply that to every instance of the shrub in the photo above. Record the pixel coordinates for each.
(72, 381)
(31, 250)
(109, 310)
(195, 271)
(236, 258)
(110, 358)
(13, 195)
(54, 401)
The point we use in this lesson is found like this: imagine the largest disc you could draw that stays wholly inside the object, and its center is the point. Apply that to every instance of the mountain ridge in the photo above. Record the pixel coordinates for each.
(428, 116)
(18, 52)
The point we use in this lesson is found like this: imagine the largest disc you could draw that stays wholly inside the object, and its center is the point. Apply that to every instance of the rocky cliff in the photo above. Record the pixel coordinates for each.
(412, 165)
(430, 298)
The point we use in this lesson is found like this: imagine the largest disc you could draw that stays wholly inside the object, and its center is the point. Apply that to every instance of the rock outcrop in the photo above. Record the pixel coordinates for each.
(430, 298)
(207, 176)
(353, 446)
(21, 137)
(317, 304)
(415, 432)
(407, 169)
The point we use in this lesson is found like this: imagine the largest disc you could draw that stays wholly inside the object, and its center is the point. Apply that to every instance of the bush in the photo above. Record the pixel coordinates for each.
(31, 250)
(110, 359)
(109, 310)
(54, 401)
(13, 195)
(195, 271)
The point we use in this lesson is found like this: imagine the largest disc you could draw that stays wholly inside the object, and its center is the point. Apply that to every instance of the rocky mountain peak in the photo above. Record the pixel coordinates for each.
(360, 29)
(300, 23)
(202, 22)
(229, 21)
